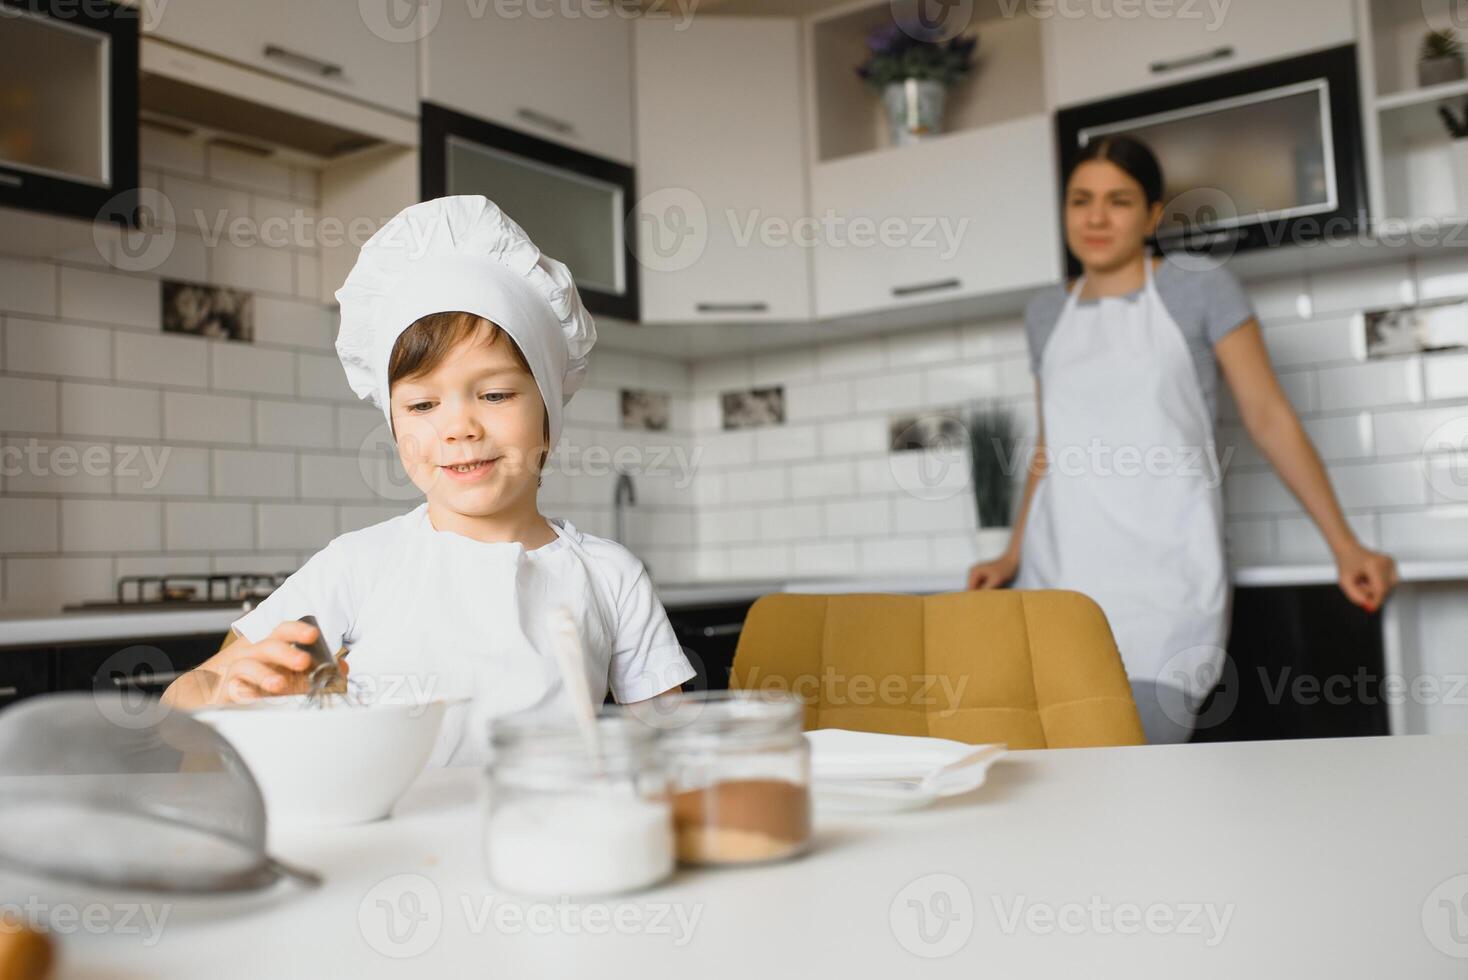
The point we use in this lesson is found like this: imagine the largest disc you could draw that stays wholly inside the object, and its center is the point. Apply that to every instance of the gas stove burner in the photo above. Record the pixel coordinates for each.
(230, 590)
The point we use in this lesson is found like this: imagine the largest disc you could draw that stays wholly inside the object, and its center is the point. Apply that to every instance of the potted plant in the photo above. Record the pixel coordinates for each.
(913, 77)
(992, 456)
(1457, 125)
(1441, 58)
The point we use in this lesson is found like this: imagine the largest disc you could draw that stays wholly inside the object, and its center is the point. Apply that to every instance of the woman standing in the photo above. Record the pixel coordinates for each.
(1123, 502)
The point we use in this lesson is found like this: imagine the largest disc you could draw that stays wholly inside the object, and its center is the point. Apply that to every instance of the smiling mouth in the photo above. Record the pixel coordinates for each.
(474, 466)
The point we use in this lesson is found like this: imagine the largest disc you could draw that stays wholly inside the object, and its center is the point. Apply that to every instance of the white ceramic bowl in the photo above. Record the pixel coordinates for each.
(329, 767)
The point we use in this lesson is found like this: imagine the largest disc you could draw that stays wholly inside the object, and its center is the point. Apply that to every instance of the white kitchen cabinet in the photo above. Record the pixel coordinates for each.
(1110, 47)
(721, 171)
(327, 44)
(558, 72)
(968, 214)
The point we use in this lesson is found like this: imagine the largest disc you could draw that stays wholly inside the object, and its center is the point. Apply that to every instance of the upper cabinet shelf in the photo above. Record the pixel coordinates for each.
(1007, 82)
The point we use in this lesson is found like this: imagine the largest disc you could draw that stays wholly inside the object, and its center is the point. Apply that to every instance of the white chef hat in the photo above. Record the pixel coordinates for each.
(462, 253)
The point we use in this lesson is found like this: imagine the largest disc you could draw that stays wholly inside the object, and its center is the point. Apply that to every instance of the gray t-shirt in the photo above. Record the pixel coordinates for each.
(1207, 304)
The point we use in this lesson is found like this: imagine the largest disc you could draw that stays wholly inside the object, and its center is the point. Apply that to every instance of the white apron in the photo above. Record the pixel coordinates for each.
(454, 617)
(1130, 511)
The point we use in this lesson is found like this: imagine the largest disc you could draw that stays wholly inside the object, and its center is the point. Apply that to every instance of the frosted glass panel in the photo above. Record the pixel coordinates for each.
(53, 104)
(571, 217)
(1264, 154)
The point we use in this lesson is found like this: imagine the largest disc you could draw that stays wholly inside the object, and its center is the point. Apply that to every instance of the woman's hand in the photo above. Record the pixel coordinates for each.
(243, 671)
(993, 574)
(1365, 576)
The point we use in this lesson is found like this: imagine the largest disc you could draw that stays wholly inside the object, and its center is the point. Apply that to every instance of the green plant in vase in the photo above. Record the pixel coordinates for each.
(913, 77)
(992, 455)
(1441, 59)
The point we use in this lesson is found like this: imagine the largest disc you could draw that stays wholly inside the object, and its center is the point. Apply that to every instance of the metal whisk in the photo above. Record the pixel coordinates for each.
(325, 682)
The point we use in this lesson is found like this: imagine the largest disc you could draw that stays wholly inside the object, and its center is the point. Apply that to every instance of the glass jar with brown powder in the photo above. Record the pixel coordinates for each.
(739, 768)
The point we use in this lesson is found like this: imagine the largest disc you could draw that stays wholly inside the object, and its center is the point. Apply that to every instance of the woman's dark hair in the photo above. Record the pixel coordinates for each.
(1133, 156)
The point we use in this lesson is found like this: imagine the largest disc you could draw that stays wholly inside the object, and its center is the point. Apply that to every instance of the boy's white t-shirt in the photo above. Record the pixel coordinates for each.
(429, 613)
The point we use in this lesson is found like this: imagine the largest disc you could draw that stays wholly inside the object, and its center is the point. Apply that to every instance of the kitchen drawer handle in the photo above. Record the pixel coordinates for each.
(733, 307)
(722, 629)
(925, 287)
(1192, 60)
(163, 677)
(9, 692)
(11, 180)
(544, 121)
(324, 68)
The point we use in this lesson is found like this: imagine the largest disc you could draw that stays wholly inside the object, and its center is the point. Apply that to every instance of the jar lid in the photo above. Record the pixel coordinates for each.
(734, 716)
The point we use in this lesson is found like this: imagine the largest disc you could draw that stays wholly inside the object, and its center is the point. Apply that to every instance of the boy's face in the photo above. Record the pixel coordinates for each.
(470, 432)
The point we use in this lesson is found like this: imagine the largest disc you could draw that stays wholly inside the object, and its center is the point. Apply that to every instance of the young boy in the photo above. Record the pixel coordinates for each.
(471, 342)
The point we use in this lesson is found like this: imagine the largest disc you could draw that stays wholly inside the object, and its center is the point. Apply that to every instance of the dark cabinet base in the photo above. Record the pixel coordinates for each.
(1305, 663)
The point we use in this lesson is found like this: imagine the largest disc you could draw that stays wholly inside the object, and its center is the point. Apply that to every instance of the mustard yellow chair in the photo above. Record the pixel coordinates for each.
(1032, 669)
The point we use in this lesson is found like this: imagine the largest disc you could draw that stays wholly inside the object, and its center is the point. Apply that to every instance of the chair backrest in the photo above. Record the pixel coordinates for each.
(1033, 669)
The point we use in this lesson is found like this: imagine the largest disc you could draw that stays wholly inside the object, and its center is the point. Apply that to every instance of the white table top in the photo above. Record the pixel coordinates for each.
(1316, 858)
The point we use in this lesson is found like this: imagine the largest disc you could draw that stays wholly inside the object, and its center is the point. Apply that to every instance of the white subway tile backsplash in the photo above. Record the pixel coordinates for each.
(758, 561)
(789, 522)
(850, 357)
(1350, 290)
(992, 338)
(355, 426)
(28, 524)
(205, 210)
(784, 366)
(109, 297)
(725, 449)
(65, 349)
(162, 149)
(595, 406)
(34, 465)
(28, 405)
(46, 584)
(922, 347)
(283, 423)
(785, 442)
(1441, 532)
(809, 481)
(1250, 542)
(1442, 277)
(102, 410)
(1276, 300)
(208, 526)
(27, 287)
(294, 323)
(111, 525)
(235, 366)
(858, 517)
(1418, 430)
(254, 473)
(304, 527)
(322, 376)
(854, 437)
(1257, 493)
(894, 391)
(760, 484)
(174, 471)
(1389, 484)
(895, 555)
(1315, 341)
(1388, 382)
(955, 384)
(1299, 540)
(253, 267)
(1446, 375)
(206, 418)
(351, 517)
(814, 400)
(1341, 437)
(836, 558)
(914, 515)
(723, 374)
(159, 358)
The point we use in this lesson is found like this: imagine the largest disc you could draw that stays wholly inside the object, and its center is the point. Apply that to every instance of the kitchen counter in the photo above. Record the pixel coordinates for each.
(1235, 859)
(80, 627)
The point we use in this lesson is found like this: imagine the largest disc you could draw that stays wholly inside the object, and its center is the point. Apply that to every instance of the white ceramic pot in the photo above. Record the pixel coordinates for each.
(329, 767)
(914, 110)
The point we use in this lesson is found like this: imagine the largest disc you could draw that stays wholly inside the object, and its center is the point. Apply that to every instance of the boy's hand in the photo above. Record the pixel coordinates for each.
(244, 671)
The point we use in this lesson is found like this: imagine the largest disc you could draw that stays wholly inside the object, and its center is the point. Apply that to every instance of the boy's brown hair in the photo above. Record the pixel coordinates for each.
(428, 341)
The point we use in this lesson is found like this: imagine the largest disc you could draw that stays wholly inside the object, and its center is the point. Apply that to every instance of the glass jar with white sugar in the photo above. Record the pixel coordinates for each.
(561, 822)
